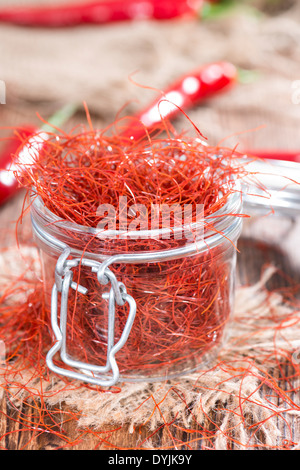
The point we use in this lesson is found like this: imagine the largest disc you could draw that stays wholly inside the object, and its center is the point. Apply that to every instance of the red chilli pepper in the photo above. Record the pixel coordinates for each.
(284, 155)
(99, 12)
(8, 183)
(15, 154)
(183, 94)
(189, 91)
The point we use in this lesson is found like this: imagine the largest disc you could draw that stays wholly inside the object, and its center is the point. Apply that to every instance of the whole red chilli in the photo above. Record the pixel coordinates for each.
(8, 183)
(184, 93)
(99, 12)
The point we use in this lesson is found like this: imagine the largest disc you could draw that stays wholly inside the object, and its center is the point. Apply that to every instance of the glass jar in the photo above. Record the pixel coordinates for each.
(272, 232)
(122, 311)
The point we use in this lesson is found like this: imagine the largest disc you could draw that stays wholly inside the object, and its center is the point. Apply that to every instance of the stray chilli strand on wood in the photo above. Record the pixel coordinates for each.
(183, 304)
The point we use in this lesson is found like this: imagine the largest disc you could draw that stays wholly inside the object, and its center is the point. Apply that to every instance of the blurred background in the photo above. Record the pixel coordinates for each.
(45, 68)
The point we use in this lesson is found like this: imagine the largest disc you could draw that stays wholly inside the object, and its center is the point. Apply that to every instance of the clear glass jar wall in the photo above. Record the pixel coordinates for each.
(184, 303)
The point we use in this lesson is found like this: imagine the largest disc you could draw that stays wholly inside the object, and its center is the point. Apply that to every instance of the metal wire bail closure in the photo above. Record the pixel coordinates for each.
(107, 375)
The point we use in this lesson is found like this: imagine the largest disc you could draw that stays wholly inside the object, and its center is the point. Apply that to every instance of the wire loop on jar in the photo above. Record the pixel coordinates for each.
(92, 373)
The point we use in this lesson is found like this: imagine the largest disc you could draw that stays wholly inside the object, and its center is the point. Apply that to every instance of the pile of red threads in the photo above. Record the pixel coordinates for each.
(183, 304)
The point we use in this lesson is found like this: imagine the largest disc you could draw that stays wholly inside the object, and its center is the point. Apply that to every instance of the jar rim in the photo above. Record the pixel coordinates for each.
(233, 202)
(52, 232)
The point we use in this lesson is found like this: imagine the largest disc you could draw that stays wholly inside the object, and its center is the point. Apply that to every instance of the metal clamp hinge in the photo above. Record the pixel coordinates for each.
(107, 375)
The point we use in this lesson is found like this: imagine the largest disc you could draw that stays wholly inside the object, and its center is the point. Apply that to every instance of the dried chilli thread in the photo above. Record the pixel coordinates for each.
(183, 305)
(74, 175)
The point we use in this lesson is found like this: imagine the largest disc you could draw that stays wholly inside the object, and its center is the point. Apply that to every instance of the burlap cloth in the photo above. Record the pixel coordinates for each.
(43, 69)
